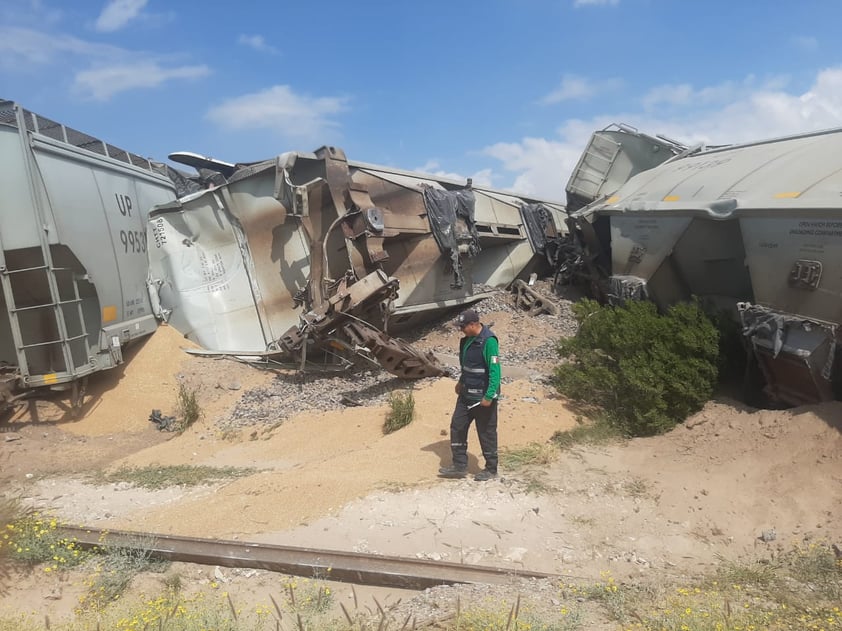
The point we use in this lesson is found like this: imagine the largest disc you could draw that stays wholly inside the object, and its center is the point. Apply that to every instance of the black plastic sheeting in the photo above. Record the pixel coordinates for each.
(535, 219)
(765, 324)
(444, 210)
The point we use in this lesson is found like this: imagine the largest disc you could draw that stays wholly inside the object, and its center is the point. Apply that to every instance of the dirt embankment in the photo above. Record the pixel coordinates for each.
(671, 504)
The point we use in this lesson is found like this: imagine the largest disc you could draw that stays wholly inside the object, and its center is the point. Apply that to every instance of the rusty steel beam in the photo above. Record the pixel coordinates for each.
(349, 567)
(394, 355)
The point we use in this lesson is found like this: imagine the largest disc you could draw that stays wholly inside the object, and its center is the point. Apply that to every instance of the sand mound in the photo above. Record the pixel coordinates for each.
(739, 470)
(120, 399)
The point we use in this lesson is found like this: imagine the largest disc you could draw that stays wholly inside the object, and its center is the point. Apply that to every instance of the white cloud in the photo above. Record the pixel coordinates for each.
(428, 167)
(110, 69)
(674, 94)
(483, 177)
(538, 164)
(684, 94)
(767, 112)
(281, 110)
(571, 88)
(104, 82)
(574, 88)
(257, 42)
(728, 113)
(594, 3)
(22, 47)
(117, 13)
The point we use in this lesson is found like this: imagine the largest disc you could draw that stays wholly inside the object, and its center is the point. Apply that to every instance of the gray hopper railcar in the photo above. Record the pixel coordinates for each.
(754, 230)
(73, 265)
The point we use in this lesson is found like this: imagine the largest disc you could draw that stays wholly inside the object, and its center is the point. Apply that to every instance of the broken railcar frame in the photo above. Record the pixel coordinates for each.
(309, 249)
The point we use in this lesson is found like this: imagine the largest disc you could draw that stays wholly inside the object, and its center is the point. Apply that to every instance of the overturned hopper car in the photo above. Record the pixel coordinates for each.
(613, 156)
(312, 252)
(73, 263)
(754, 229)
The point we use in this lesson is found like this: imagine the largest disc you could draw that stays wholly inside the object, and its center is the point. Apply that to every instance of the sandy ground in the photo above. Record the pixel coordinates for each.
(670, 505)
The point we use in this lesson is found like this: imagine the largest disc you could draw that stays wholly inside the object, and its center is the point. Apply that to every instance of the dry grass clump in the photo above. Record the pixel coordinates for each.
(531, 454)
(114, 569)
(155, 477)
(401, 411)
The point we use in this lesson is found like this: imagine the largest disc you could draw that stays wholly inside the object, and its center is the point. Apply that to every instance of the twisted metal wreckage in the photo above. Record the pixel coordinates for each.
(311, 258)
(307, 257)
(309, 251)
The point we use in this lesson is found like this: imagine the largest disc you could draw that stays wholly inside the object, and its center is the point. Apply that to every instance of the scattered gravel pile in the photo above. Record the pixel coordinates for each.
(531, 337)
(292, 393)
(529, 341)
(503, 302)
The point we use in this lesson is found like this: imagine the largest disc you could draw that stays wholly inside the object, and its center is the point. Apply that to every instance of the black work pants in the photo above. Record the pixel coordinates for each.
(486, 422)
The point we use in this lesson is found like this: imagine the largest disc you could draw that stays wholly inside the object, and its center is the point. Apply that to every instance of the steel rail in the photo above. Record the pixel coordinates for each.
(349, 567)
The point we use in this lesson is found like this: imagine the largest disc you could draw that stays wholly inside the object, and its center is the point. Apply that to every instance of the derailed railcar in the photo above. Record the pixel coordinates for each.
(755, 229)
(311, 250)
(73, 261)
(462, 237)
(613, 156)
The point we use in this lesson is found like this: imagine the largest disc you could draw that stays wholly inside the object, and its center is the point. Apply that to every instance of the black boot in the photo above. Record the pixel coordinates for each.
(452, 472)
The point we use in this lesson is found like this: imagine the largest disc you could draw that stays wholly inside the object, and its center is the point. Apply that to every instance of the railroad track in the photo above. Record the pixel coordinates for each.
(349, 567)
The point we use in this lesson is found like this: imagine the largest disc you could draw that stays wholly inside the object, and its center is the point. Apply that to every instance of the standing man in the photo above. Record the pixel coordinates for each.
(478, 389)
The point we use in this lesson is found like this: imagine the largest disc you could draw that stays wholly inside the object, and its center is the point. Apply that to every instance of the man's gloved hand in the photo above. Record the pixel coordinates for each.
(458, 387)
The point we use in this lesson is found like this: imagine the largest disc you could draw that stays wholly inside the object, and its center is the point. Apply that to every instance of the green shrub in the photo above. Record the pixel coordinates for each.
(732, 350)
(187, 407)
(401, 411)
(647, 372)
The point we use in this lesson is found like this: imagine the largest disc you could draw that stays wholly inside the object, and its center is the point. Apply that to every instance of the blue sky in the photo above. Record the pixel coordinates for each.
(504, 91)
